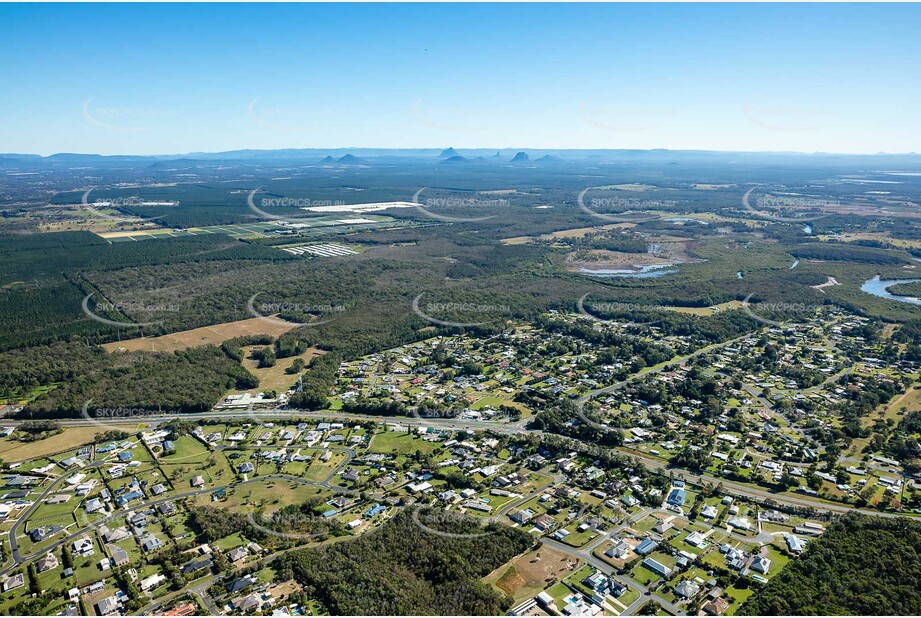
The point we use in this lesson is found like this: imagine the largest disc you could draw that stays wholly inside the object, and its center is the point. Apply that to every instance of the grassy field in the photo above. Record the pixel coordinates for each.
(571, 233)
(270, 494)
(214, 467)
(188, 450)
(401, 443)
(859, 236)
(319, 470)
(13, 450)
(910, 399)
(213, 335)
(273, 378)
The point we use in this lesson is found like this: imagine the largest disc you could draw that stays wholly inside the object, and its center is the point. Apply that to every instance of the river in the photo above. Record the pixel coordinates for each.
(879, 287)
(644, 272)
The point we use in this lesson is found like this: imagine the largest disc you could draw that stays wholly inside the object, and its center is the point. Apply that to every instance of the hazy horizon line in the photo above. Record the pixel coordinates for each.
(472, 148)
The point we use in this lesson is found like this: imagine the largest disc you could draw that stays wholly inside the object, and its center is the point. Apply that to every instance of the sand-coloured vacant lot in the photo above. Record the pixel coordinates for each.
(213, 335)
(530, 573)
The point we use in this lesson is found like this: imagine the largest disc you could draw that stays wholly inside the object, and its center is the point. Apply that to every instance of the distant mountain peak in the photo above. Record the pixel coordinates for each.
(327, 159)
(448, 153)
(456, 159)
(520, 157)
(498, 155)
(349, 159)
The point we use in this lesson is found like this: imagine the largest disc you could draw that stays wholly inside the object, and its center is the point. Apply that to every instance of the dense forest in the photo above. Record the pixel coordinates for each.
(407, 569)
(846, 252)
(861, 566)
(186, 381)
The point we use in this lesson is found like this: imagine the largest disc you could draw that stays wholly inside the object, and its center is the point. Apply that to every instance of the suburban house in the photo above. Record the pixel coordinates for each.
(11, 582)
(107, 606)
(48, 562)
(676, 497)
(119, 555)
(151, 543)
(687, 589)
(523, 516)
(761, 564)
(656, 567)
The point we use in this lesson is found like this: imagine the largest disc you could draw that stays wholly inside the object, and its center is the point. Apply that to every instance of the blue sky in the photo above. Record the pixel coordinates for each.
(146, 79)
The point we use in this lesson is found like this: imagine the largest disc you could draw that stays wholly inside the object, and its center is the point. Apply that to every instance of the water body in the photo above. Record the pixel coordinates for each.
(807, 229)
(795, 264)
(740, 275)
(687, 220)
(644, 272)
(880, 287)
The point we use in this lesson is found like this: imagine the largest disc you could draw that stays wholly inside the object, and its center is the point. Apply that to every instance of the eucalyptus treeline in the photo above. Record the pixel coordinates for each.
(184, 381)
(862, 565)
(407, 568)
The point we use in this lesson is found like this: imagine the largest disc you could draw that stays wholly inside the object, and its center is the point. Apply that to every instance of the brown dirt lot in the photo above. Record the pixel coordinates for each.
(733, 304)
(570, 233)
(526, 575)
(214, 335)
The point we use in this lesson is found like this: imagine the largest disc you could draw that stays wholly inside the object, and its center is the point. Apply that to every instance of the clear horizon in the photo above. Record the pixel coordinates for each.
(176, 79)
